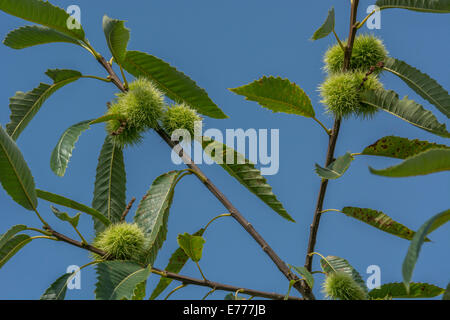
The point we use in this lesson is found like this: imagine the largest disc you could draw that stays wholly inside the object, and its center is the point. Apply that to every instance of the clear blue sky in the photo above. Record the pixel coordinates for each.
(225, 44)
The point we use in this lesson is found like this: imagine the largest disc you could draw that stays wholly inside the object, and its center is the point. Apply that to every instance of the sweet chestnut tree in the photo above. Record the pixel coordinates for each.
(163, 99)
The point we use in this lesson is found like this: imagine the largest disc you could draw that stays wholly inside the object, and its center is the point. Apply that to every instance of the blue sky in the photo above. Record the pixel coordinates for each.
(225, 44)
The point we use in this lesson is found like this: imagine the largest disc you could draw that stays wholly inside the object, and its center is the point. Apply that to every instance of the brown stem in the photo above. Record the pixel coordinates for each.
(301, 286)
(219, 286)
(127, 209)
(174, 276)
(332, 142)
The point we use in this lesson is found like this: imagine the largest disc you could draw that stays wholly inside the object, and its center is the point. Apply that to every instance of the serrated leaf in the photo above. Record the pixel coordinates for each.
(43, 13)
(15, 175)
(399, 148)
(397, 290)
(303, 272)
(432, 6)
(278, 95)
(117, 37)
(245, 173)
(326, 28)
(176, 262)
(139, 291)
(110, 184)
(24, 106)
(380, 221)
(191, 245)
(175, 84)
(65, 217)
(12, 246)
(421, 83)
(29, 36)
(118, 279)
(405, 109)
(10, 233)
(336, 169)
(153, 212)
(58, 289)
(416, 244)
(430, 161)
(62, 152)
(69, 203)
(337, 264)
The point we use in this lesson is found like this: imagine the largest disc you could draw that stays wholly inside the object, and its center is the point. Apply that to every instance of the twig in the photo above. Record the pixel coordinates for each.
(302, 287)
(178, 277)
(332, 142)
(127, 209)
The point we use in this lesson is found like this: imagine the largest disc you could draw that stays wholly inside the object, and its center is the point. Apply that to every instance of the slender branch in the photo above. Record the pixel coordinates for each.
(220, 286)
(302, 287)
(328, 131)
(338, 40)
(127, 209)
(175, 290)
(332, 142)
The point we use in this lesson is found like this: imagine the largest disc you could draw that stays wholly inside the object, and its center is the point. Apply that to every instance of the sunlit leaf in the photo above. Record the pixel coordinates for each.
(278, 95)
(58, 289)
(12, 246)
(15, 175)
(405, 109)
(192, 245)
(117, 36)
(336, 169)
(416, 244)
(397, 290)
(430, 161)
(62, 152)
(65, 217)
(326, 28)
(421, 83)
(176, 85)
(399, 148)
(432, 6)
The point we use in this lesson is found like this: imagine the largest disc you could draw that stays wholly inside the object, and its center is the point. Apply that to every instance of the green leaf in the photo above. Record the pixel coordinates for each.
(176, 85)
(432, 6)
(326, 28)
(191, 245)
(58, 289)
(15, 176)
(232, 296)
(430, 161)
(12, 246)
(399, 148)
(245, 172)
(24, 106)
(10, 233)
(153, 212)
(380, 221)
(446, 295)
(337, 264)
(336, 169)
(62, 152)
(69, 203)
(110, 184)
(416, 244)
(176, 262)
(118, 279)
(421, 83)
(397, 290)
(139, 291)
(303, 272)
(65, 217)
(43, 13)
(29, 36)
(278, 95)
(117, 37)
(405, 109)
